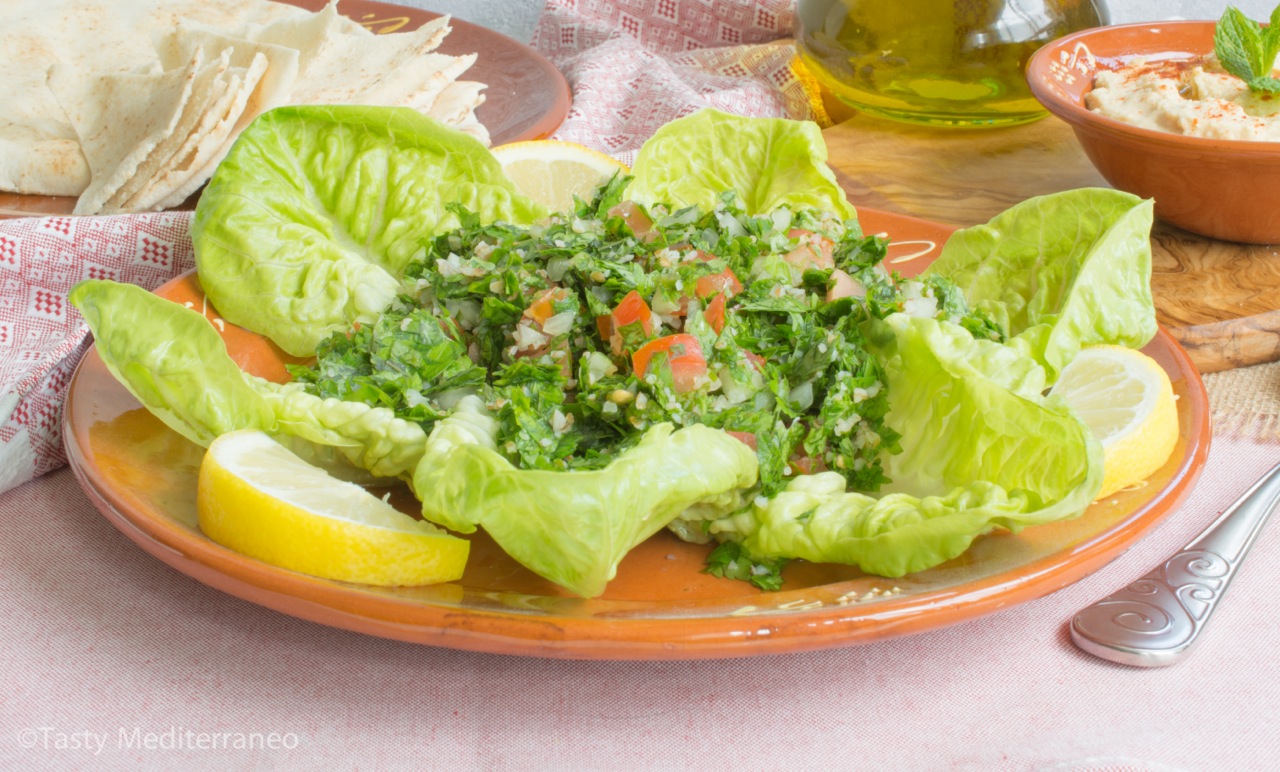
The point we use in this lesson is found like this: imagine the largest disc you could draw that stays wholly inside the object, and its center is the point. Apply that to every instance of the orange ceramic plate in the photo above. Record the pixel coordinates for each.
(1220, 188)
(142, 476)
(526, 97)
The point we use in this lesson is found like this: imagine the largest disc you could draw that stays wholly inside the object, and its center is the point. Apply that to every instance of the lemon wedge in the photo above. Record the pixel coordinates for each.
(1126, 399)
(552, 172)
(256, 497)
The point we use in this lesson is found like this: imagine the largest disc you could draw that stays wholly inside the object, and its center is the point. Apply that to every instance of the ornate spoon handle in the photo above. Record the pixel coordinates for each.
(1153, 621)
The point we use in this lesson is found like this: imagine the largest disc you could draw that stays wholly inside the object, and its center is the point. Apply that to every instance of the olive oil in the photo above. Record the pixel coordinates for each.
(948, 62)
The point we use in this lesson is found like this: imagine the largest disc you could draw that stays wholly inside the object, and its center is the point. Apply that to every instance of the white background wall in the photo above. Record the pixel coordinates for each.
(1149, 10)
(517, 17)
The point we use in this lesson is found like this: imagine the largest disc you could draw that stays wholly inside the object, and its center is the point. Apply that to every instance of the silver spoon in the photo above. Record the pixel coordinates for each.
(1154, 621)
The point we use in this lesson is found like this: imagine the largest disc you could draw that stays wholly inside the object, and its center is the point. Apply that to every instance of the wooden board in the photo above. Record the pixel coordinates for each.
(1220, 300)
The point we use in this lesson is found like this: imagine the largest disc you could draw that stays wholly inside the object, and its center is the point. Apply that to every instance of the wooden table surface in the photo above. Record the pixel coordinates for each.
(1220, 300)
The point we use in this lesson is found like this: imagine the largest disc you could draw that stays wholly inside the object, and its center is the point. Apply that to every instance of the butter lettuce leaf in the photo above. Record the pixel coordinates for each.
(968, 410)
(171, 359)
(981, 449)
(769, 162)
(176, 364)
(1060, 272)
(573, 528)
(310, 220)
(369, 438)
(816, 519)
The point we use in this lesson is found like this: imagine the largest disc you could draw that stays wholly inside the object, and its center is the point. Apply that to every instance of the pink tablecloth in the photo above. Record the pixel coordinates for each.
(106, 649)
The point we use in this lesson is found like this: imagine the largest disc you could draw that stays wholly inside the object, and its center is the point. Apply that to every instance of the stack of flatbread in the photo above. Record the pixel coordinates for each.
(141, 122)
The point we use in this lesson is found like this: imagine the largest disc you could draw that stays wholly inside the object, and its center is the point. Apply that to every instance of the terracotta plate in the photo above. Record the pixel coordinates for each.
(142, 476)
(1219, 188)
(526, 98)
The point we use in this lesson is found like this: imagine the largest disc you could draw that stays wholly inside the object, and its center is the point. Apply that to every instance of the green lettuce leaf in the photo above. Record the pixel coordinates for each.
(173, 360)
(1060, 272)
(817, 520)
(967, 410)
(981, 449)
(573, 528)
(769, 162)
(369, 438)
(311, 218)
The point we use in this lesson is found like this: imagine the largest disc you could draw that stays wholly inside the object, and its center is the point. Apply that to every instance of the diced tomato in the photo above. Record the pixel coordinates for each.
(714, 313)
(814, 251)
(746, 438)
(636, 219)
(544, 306)
(684, 357)
(630, 324)
(683, 308)
(755, 359)
(725, 282)
(844, 286)
(632, 310)
(604, 323)
(807, 465)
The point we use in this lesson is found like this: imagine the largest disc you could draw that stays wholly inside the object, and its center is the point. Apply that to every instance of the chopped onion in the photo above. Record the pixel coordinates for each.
(599, 366)
(560, 323)
(802, 395)
(781, 219)
(556, 268)
(528, 338)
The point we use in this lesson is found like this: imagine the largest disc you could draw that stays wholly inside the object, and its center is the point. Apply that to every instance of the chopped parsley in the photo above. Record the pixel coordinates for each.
(731, 561)
(583, 331)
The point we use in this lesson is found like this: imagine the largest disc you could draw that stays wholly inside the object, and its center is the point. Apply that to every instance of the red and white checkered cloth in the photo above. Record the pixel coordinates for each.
(42, 337)
(633, 65)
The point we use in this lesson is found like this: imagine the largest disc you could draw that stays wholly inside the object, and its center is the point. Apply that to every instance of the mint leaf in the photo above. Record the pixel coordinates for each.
(1271, 37)
(1246, 50)
(1237, 41)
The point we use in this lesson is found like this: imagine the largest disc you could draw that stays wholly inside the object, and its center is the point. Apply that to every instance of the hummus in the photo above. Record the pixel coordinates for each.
(1194, 97)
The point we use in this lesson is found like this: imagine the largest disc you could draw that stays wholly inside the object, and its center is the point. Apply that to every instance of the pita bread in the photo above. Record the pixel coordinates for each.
(453, 102)
(456, 106)
(196, 167)
(260, 78)
(120, 118)
(143, 98)
(41, 163)
(39, 149)
(205, 86)
(359, 67)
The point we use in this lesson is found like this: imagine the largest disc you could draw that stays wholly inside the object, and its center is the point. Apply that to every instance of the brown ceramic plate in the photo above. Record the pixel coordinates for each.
(1220, 188)
(526, 98)
(142, 476)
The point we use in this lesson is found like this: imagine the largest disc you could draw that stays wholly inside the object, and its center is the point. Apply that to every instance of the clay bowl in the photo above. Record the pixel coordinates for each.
(1224, 189)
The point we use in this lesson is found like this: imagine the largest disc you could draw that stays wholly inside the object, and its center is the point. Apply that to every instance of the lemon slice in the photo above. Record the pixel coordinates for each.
(1127, 401)
(256, 497)
(552, 172)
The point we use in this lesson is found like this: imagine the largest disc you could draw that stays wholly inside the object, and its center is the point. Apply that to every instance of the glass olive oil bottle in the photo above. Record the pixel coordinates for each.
(947, 62)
